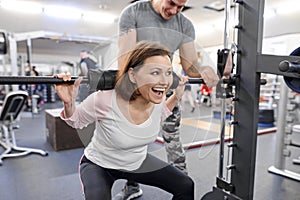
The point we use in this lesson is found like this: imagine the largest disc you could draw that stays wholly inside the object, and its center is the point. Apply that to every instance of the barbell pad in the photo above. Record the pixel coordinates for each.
(176, 80)
(107, 80)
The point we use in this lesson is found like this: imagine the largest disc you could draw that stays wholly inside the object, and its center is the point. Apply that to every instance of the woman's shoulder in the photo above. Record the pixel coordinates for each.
(102, 101)
(104, 94)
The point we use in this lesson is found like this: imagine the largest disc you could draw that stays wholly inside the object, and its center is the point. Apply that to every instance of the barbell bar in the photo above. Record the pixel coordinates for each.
(101, 85)
(11, 80)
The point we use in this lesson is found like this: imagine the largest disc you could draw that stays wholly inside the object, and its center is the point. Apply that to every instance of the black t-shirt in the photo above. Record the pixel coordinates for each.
(91, 64)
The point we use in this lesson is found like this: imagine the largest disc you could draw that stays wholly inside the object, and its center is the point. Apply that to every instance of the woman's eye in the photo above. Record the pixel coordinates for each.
(169, 73)
(155, 73)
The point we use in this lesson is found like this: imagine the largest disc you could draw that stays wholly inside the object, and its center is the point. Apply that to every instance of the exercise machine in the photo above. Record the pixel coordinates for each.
(249, 66)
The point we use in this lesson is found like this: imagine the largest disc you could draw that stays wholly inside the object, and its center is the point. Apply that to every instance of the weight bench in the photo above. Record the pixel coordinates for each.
(9, 111)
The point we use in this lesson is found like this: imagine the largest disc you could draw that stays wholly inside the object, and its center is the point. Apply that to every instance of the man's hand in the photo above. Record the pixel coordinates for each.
(228, 66)
(209, 76)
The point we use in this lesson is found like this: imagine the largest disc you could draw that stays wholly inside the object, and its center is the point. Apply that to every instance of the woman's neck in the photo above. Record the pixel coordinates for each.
(136, 111)
(140, 104)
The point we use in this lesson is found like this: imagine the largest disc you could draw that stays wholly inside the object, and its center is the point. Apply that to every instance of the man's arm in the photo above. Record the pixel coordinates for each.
(84, 69)
(192, 68)
(126, 42)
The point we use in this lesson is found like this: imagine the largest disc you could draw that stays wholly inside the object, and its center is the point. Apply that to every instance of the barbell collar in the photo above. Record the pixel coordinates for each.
(284, 66)
(287, 66)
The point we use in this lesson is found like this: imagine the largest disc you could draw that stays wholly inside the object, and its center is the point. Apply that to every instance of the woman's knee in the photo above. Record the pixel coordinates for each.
(188, 184)
(95, 182)
(186, 191)
(91, 193)
(94, 188)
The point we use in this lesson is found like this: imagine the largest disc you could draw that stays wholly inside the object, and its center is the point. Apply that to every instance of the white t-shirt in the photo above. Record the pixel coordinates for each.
(117, 143)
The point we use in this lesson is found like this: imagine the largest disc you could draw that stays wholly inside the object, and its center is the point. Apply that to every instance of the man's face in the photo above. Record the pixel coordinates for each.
(170, 8)
(83, 54)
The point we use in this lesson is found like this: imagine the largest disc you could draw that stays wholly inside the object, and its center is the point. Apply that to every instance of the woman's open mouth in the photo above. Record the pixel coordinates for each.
(159, 91)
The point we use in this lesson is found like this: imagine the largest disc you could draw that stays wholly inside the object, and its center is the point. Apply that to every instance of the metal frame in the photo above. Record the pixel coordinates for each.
(12, 106)
(250, 64)
(279, 164)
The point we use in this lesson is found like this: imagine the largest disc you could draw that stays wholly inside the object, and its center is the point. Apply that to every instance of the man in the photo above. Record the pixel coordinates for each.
(36, 73)
(85, 64)
(162, 21)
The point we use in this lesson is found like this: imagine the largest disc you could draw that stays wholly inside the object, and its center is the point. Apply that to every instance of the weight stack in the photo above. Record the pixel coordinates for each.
(50, 94)
(266, 118)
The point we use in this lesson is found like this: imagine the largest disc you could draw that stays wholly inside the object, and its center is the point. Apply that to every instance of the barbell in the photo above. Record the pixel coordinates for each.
(97, 80)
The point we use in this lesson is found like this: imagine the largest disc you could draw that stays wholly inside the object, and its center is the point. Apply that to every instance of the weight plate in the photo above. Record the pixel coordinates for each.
(293, 83)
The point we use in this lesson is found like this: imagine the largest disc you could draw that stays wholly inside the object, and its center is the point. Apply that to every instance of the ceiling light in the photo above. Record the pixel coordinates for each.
(287, 9)
(63, 12)
(22, 6)
(269, 13)
(282, 8)
(100, 17)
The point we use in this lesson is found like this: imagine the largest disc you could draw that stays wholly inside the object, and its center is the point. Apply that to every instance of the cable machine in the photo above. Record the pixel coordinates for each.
(249, 66)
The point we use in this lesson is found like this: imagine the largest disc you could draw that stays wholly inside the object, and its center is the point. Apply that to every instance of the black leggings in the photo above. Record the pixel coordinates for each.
(97, 181)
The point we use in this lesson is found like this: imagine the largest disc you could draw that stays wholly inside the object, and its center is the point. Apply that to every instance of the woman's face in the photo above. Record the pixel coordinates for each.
(154, 78)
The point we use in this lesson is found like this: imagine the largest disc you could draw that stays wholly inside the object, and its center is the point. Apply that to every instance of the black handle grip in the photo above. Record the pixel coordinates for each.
(176, 80)
(196, 81)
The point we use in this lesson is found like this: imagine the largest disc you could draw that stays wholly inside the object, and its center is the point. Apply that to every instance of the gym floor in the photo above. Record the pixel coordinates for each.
(55, 177)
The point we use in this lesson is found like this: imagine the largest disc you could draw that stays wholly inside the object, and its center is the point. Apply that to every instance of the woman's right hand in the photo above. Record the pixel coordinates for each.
(67, 92)
(179, 91)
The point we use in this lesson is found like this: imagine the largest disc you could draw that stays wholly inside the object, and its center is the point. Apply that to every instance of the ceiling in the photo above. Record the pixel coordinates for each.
(76, 30)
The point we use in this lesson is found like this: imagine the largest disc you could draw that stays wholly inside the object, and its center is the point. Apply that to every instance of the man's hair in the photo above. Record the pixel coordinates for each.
(84, 53)
(135, 59)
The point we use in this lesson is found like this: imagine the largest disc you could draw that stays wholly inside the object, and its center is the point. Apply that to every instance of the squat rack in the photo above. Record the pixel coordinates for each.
(249, 66)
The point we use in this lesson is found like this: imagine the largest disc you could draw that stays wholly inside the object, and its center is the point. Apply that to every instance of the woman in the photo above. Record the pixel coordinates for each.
(127, 120)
